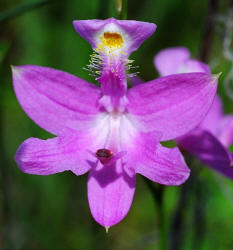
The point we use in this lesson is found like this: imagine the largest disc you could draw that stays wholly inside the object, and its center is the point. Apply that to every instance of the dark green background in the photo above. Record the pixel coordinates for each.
(51, 212)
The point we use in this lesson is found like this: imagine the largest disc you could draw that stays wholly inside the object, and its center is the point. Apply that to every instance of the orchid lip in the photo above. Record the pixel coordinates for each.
(111, 40)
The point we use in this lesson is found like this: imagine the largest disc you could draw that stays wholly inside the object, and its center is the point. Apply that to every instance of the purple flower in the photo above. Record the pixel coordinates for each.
(177, 60)
(210, 140)
(109, 131)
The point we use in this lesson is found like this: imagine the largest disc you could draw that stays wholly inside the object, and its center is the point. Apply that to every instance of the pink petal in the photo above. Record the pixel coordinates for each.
(168, 61)
(213, 117)
(44, 157)
(55, 100)
(110, 193)
(138, 31)
(159, 164)
(205, 146)
(135, 80)
(172, 105)
(225, 130)
(193, 65)
(88, 28)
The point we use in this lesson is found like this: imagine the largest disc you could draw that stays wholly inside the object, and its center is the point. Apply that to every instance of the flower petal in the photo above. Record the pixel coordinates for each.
(135, 80)
(193, 65)
(176, 60)
(44, 157)
(159, 164)
(225, 130)
(55, 100)
(110, 193)
(213, 117)
(134, 32)
(168, 61)
(138, 31)
(172, 105)
(88, 28)
(205, 146)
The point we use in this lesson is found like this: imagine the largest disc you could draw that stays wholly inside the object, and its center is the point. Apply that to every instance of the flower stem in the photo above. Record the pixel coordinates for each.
(177, 225)
(121, 6)
(209, 30)
(157, 194)
(190, 210)
(124, 9)
(162, 225)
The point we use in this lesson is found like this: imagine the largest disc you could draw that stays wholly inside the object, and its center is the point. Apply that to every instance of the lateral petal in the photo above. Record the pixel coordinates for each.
(205, 146)
(159, 164)
(110, 193)
(53, 99)
(172, 105)
(45, 157)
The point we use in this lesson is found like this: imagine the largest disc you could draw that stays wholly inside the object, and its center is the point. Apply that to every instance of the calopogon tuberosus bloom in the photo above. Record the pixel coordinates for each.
(109, 131)
(210, 140)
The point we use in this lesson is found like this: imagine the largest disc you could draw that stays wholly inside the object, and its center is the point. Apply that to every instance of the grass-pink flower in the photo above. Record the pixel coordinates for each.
(210, 140)
(112, 132)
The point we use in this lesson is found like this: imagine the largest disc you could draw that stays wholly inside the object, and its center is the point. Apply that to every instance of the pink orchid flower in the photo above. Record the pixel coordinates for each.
(109, 131)
(210, 140)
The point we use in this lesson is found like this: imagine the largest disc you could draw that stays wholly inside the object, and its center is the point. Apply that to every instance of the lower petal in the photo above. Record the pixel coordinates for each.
(110, 193)
(44, 157)
(209, 150)
(166, 166)
(159, 164)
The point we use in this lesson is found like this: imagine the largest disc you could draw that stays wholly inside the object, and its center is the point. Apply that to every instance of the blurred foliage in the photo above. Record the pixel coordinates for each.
(51, 212)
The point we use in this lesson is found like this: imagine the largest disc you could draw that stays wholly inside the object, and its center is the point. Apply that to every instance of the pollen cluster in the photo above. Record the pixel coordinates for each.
(110, 46)
(112, 40)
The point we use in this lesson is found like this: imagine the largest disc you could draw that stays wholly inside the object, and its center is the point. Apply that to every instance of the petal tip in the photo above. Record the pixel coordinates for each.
(185, 177)
(106, 229)
(217, 76)
(74, 22)
(19, 156)
(182, 178)
(17, 72)
(153, 26)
